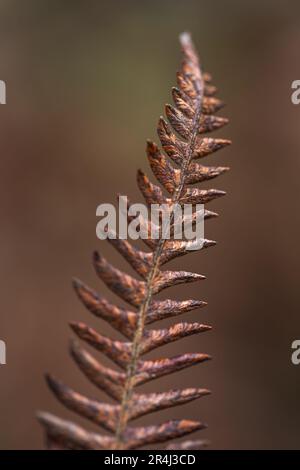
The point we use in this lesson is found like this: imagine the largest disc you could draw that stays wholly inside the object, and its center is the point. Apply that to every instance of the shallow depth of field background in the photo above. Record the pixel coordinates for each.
(86, 83)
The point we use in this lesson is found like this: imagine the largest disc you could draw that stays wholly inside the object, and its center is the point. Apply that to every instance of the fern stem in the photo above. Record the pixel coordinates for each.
(136, 344)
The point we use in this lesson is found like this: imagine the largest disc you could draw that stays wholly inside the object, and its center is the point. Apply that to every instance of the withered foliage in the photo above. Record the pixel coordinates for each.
(183, 144)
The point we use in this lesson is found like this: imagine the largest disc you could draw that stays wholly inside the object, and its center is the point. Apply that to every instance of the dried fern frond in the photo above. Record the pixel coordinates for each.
(182, 142)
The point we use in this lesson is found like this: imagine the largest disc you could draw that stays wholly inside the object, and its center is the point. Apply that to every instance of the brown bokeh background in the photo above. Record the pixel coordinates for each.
(86, 82)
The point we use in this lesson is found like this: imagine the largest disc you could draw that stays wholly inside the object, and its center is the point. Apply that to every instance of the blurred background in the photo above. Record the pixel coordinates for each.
(86, 83)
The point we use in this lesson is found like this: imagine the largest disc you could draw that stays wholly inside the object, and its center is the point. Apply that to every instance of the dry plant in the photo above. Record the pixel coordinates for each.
(181, 140)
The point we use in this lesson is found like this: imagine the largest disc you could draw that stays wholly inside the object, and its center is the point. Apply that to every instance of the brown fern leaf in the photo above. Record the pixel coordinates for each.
(182, 143)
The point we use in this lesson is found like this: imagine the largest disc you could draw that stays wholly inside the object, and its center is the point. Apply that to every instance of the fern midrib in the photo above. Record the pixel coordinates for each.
(136, 343)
